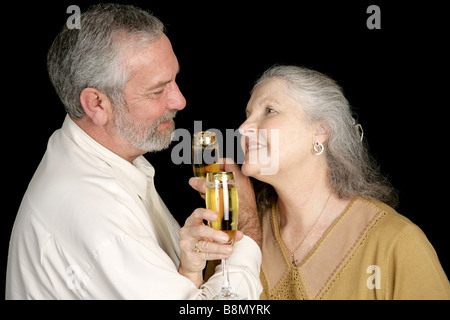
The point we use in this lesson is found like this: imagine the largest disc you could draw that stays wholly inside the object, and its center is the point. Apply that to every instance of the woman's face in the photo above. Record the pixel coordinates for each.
(275, 137)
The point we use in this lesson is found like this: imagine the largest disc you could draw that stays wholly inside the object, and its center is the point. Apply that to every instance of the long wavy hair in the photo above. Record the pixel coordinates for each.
(352, 170)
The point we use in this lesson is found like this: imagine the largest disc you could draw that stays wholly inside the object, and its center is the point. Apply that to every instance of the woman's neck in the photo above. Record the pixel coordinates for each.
(306, 208)
(301, 201)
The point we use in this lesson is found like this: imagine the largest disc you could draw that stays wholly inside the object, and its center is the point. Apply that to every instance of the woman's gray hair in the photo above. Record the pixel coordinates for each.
(352, 171)
(93, 56)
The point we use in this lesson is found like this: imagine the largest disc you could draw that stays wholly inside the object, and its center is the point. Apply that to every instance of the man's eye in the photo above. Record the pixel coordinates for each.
(270, 110)
(156, 94)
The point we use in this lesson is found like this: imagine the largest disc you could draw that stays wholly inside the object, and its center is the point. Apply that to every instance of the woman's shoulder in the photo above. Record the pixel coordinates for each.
(412, 261)
(387, 210)
(391, 225)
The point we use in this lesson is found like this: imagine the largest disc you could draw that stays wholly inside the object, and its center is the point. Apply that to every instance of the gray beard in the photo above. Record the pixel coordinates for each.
(141, 135)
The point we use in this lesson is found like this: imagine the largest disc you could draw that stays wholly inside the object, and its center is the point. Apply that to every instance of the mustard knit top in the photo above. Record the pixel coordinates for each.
(369, 252)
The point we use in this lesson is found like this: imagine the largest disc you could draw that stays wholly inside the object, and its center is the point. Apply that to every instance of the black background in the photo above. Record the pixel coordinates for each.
(396, 78)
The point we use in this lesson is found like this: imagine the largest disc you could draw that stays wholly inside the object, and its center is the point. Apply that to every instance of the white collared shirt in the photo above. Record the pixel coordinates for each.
(92, 226)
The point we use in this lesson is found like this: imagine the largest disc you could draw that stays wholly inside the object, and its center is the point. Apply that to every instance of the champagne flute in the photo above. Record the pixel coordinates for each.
(222, 197)
(205, 154)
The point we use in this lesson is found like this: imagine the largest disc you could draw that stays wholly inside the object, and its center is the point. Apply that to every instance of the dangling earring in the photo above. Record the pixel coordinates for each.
(318, 148)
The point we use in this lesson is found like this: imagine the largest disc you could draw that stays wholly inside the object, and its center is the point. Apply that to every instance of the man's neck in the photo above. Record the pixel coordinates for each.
(108, 138)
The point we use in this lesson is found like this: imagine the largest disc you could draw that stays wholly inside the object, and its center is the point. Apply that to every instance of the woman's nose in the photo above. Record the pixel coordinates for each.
(248, 128)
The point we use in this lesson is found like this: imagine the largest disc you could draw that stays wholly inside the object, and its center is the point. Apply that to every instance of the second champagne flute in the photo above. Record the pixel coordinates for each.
(205, 153)
(222, 197)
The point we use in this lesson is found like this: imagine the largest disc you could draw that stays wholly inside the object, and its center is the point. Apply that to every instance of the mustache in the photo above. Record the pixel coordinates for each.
(169, 115)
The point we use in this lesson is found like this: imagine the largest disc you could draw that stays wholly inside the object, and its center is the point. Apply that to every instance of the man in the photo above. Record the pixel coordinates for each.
(91, 224)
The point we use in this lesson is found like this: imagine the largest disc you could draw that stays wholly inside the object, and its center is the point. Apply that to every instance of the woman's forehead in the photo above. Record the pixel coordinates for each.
(272, 92)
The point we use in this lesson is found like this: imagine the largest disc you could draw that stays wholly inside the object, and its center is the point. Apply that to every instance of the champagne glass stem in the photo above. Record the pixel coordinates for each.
(226, 287)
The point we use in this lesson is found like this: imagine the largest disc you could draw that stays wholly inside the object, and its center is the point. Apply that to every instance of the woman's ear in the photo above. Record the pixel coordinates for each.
(96, 105)
(321, 133)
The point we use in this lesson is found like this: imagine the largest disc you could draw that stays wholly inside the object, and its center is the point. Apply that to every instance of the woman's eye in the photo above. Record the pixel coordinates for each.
(270, 110)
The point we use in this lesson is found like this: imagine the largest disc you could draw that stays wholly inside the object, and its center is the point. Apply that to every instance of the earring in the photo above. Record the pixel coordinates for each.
(318, 148)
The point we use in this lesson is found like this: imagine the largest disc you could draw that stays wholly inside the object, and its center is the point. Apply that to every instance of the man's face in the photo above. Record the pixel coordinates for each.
(152, 98)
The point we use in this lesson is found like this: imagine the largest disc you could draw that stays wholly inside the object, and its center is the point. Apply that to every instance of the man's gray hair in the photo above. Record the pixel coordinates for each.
(93, 55)
(352, 171)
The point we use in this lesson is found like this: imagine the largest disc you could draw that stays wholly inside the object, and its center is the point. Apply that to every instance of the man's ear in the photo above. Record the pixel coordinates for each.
(96, 105)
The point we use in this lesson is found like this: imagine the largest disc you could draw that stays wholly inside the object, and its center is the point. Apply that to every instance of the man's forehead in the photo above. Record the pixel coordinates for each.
(156, 64)
(136, 53)
(161, 83)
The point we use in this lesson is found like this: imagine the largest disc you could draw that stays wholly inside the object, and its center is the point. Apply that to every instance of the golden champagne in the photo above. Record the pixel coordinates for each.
(205, 153)
(222, 197)
(200, 170)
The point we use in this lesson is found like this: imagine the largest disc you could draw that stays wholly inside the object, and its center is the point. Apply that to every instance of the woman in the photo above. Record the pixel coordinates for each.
(329, 230)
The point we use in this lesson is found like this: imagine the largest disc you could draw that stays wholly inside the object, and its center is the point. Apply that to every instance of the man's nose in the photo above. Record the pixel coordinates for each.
(176, 99)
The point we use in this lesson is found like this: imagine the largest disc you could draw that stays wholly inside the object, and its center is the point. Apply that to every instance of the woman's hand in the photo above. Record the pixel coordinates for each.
(208, 242)
(248, 214)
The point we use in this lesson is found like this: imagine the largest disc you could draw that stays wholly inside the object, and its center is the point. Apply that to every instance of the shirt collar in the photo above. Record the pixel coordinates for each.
(133, 174)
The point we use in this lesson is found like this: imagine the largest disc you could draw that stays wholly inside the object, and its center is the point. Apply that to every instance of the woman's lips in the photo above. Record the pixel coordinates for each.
(254, 146)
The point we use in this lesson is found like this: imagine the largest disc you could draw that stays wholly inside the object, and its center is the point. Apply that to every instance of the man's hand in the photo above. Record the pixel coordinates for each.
(248, 215)
(195, 235)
